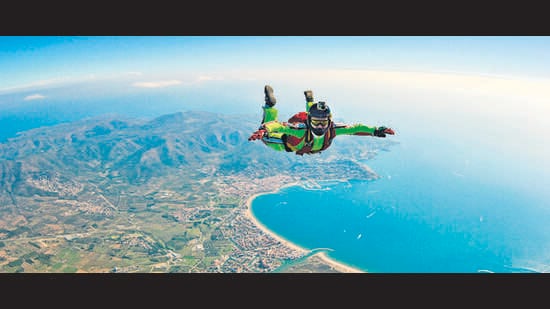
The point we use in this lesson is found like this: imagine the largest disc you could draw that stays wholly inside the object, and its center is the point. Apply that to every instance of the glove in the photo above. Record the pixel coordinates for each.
(257, 135)
(382, 131)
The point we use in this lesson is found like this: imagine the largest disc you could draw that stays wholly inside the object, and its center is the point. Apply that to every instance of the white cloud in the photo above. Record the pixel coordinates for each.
(157, 84)
(70, 80)
(34, 97)
(36, 85)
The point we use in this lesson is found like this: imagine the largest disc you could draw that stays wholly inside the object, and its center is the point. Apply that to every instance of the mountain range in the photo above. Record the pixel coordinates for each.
(171, 186)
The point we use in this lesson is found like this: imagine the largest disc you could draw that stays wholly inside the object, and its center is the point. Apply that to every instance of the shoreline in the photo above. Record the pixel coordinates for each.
(334, 264)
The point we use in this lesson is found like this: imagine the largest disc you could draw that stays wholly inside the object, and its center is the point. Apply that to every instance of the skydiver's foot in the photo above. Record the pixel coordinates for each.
(269, 97)
(309, 95)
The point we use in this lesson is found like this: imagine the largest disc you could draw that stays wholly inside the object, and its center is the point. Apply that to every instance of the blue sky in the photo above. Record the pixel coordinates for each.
(379, 73)
(490, 93)
(26, 60)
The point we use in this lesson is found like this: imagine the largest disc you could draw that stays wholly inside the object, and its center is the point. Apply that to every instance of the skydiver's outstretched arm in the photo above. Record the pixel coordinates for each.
(361, 129)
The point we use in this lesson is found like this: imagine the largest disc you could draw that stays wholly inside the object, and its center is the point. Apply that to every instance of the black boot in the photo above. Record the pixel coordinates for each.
(309, 95)
(269, 97)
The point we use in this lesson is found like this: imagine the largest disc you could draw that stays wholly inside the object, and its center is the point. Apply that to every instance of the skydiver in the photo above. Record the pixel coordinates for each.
(306, 132)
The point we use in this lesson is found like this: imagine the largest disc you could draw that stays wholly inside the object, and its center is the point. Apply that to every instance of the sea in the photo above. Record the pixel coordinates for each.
(440, 205)
(425, 214)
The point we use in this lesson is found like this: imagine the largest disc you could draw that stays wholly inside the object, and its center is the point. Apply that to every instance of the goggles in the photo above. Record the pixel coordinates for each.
(315, 122)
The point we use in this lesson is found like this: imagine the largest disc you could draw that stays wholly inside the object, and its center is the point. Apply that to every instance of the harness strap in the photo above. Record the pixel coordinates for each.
(308, 143)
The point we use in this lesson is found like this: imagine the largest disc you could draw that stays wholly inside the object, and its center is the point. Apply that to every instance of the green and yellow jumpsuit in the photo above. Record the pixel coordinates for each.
(290, 136)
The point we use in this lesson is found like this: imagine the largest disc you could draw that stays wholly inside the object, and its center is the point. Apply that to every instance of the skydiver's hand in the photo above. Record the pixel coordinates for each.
(382, 131)
(257, 135)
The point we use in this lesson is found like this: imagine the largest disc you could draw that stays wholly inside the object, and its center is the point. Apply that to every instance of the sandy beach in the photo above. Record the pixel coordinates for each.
(336, 265)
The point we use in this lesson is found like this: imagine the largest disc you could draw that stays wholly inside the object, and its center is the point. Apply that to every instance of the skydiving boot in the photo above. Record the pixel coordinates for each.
(309, 95)
(269, 97)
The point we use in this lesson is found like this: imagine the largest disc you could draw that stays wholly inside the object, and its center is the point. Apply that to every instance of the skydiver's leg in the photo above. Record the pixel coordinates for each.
(309, 99)
(269, 111)
(270, 114)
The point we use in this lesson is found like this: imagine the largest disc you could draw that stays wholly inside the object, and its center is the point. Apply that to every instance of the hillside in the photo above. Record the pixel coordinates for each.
(171, 185)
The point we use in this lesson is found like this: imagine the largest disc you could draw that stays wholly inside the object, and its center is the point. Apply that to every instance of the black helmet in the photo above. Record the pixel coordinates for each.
(322, 111)
(319, 110)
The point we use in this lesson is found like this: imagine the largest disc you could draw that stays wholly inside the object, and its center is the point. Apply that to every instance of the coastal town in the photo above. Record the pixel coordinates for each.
(250, 247)
(71, 212)
(258, 249)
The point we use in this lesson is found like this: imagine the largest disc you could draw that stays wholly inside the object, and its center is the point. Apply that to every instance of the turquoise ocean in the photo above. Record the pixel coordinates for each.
(451, 202)
(434, 210)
